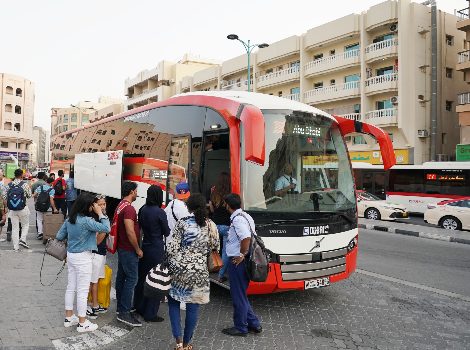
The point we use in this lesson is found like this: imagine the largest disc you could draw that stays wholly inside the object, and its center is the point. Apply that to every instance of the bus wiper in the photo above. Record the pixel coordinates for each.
(343, 215)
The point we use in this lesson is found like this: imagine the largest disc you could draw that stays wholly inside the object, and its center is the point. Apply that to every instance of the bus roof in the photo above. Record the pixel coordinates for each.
(424, 166)
(262, 101)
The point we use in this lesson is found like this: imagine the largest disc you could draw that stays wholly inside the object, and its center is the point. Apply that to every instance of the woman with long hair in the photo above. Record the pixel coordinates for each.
(194, 237)
(80, 231)
(154, 225)
(221, 216)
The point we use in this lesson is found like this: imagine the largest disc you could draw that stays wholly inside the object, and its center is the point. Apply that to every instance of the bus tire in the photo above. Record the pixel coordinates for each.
(372, 214)
(450, 223)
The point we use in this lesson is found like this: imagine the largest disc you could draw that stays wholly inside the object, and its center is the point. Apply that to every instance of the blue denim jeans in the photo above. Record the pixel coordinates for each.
(192, 315)
(126, 279)
(223, 232)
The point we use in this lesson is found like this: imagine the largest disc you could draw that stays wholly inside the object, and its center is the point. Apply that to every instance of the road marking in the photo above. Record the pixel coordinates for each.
(415, 285)
(102, 336)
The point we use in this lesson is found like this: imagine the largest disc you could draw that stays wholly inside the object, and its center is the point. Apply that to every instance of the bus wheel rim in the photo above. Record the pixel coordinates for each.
(450, 224)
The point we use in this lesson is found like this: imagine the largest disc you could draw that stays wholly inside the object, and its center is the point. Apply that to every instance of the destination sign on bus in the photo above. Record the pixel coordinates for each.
(445, 177)
(306, 130)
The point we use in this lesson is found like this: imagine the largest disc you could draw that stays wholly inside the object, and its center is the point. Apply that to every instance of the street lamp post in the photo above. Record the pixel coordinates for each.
(248, 47)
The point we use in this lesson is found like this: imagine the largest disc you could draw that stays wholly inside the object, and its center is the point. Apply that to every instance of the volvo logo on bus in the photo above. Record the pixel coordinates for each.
(316, 230)
(317, 244)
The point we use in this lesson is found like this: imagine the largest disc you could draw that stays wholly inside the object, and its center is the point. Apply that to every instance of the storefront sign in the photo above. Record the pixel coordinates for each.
(462, 153)
(6, 155)
(374, 157)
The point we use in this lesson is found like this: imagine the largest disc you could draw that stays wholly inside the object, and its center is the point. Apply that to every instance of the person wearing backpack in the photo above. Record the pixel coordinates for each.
(60, 186)
(18, 191)
(238, 244)
(44, 199)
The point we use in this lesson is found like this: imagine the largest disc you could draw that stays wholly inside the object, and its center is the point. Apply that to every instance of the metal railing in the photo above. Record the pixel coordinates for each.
(382, 45)
(464, 56)
(462, 14)
(236, 85)
(382, 113)
(352, 116)
(281, 73)
(464, 98)
(332, 59)
(380, 79)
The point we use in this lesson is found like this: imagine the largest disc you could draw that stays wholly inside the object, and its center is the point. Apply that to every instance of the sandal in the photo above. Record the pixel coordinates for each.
(188, 347)
(179, 346)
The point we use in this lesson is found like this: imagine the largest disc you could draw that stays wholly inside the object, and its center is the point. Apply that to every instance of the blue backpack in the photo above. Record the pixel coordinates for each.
(16, 198)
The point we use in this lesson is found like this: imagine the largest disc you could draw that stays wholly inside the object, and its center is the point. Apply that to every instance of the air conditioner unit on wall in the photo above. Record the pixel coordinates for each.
(393, 27)
(394, 100)
(422, 133)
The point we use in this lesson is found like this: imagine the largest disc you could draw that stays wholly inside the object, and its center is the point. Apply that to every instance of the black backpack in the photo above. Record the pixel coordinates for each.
(257, 260)
(16, 198)
(59, 187)
(43, 202)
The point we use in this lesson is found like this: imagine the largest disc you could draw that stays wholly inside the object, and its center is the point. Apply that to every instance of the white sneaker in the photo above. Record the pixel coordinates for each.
(87, 326)
(71, 321)
(182, 306)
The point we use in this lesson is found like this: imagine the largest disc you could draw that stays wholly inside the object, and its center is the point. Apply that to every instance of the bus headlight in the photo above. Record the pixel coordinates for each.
(352, 244)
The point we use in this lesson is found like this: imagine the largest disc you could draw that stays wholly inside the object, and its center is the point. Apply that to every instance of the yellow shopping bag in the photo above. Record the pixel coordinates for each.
(104, 288)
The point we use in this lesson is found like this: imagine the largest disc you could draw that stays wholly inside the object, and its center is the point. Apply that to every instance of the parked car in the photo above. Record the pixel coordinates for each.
(372, 207)
(450, 214)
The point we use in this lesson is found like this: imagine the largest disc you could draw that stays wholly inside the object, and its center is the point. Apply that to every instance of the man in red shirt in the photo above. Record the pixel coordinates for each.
(129, 253)
(59, 185)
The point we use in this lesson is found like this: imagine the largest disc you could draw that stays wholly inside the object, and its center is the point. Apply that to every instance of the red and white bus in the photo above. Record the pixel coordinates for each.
(415, 186)
(311, 232)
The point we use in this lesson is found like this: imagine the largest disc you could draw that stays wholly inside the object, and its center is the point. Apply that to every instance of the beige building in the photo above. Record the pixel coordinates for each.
(163, 81)
(84, 112)
(41, 148)
(463, 65)
(373, 67)
(16, 117)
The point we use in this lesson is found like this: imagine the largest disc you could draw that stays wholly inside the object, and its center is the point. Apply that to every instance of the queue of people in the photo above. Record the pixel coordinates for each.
(184, 233)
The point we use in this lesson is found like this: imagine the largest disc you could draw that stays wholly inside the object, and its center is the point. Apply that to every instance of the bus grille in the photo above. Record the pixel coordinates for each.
(306, 266)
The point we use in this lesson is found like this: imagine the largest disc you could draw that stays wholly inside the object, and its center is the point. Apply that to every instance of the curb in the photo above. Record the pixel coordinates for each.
(426, 235)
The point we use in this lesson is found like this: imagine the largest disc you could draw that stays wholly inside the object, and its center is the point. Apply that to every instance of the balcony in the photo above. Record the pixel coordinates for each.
(463, 63)
(332, 63)
(332, 93)
(238, 86)
(463, 103)
(279, 77)
(381, 83)
(352, 116)
(293, 97)
(463, 19)
(382, 117)
(382, 49)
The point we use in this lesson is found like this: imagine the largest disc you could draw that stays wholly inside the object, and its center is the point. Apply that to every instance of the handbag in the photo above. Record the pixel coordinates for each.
(158, 280)
(57, 249)
(214, 261)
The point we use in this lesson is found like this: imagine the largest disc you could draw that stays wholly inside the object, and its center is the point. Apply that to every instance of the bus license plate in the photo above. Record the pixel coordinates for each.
(317, 283)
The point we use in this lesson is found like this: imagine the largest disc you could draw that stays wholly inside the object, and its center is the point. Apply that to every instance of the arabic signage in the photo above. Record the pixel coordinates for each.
(374, 157)
(462, 153)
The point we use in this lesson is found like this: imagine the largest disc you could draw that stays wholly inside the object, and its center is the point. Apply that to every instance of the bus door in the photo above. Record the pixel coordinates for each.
(178, 164)
(215, 159)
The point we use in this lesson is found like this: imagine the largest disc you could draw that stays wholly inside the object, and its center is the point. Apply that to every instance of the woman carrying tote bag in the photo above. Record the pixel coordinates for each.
(80, 231)
(188, 251)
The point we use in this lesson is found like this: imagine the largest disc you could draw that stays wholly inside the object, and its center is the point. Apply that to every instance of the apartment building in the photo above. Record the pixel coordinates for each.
(163, 81)
(373, 67)
(16, 118)
(463, 65)
(84, 112)
(41, 148)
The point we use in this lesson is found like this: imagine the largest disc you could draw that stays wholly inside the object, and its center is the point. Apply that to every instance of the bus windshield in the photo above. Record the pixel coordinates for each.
(306, 170)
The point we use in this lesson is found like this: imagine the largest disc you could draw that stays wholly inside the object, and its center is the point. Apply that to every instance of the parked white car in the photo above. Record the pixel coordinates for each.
(450, 214)
(372, 207)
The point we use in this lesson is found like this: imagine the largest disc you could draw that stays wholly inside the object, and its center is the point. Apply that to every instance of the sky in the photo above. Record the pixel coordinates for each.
(80, 50)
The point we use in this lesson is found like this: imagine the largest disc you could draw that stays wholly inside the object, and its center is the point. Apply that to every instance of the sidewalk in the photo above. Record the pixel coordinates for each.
(32, 315)
(436, 233)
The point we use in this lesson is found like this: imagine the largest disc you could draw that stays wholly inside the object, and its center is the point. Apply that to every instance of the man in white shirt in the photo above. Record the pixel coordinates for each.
(286, 183)
(176, 209)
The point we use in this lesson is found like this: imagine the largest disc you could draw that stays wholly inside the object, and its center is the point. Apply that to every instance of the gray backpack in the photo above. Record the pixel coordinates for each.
(257, 260)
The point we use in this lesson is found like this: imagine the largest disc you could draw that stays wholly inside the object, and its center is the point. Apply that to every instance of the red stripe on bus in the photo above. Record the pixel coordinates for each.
(136, 178)
(430, 195)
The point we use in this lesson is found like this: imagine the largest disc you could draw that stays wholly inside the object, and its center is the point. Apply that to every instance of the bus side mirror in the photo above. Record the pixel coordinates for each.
(254, 134)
